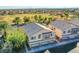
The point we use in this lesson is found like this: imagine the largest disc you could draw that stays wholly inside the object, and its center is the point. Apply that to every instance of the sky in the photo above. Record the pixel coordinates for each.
(8, 4)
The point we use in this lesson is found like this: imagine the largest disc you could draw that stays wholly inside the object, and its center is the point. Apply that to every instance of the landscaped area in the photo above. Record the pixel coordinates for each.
(14, 38)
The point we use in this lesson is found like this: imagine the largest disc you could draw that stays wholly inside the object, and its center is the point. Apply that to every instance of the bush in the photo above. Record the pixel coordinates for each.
(17, 37)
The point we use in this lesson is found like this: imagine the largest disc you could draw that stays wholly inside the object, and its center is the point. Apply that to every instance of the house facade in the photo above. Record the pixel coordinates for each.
(38, 35)
(67, 29)
(76, 23)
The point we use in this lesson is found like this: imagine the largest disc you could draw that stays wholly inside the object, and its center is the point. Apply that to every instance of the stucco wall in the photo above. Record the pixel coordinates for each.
(37, 40)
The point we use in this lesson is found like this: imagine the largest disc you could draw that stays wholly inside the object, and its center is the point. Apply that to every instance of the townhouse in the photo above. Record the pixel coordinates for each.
(67, 29)
(38, 35)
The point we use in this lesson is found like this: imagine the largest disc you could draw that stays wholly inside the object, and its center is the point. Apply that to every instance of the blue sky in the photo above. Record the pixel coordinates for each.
(8, 4)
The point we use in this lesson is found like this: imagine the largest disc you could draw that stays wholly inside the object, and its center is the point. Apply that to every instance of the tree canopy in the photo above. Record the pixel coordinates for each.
(26, 19)
(3, 25)
(17, 37)
(17, 20)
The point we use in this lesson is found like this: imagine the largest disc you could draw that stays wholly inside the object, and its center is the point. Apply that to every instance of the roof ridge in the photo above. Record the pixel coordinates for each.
(44, 27)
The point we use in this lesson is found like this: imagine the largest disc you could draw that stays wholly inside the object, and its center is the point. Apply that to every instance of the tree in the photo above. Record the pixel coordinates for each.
(7, 47)
(36, 18)
(78, 15)
(61, 15)
(47, 20)
(16, 20)
(66, 13)
(26, 19)
(50, 19)
(3, 26)
(44, 20)
(17, 37)
(40, 20)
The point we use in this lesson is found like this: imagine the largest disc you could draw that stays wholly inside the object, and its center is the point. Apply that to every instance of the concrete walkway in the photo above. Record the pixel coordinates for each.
(47, 51)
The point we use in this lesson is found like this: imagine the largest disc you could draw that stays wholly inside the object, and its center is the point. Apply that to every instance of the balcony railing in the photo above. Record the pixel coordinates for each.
(51, 40)
(45, 44)
(41, 42)
(70, 36)
(51, 45)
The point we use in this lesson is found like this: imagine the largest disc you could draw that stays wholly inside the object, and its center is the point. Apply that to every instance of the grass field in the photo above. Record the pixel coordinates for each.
(9, 18)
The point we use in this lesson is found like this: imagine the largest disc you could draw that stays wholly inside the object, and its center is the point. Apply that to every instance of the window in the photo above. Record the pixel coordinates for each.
(51, 34)
(68, 31)
(33, 38)
(74, 30)
(47, 35)
(77, 29)
(39, 36)
(64, 32)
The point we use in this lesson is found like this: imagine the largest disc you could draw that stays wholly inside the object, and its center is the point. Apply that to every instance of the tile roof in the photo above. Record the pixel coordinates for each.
(32, 28)
(75, 22)
(61, 24)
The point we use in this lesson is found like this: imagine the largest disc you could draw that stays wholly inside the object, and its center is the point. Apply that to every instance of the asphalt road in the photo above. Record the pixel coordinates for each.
(75, 50)
(71, 48)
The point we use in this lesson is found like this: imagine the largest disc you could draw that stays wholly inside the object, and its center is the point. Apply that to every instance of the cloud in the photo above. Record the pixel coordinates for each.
(41, 3)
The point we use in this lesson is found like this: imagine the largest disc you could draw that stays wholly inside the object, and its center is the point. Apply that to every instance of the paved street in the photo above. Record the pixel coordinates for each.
(75, 50)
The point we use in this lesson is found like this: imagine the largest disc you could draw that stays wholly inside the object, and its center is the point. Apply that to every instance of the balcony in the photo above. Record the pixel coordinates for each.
(41, 42)
(51, 40)
(70, 37)
(51, 45)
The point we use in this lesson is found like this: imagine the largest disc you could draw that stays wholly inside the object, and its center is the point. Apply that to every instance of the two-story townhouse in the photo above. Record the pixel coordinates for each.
(76, 23)
(67, 29)
(38, 35)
